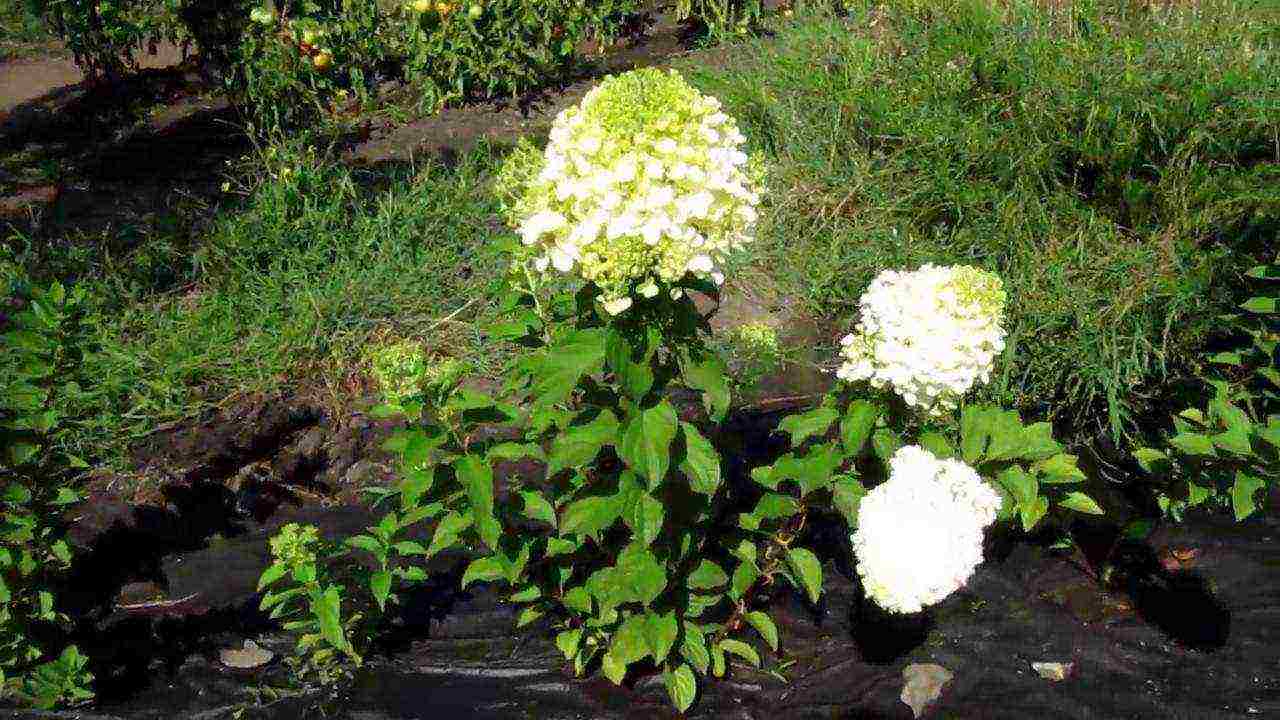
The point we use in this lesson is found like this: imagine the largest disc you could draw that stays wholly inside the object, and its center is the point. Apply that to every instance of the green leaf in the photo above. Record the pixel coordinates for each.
(694, 647)
(635, 377)
(558, 372)
(742, 650)
(806, 567)
(1060, 469)
(681, 686)
(806, 425)
(1242, 492)
(709, 375)
(884, 443)
(976, 425)
(537, 507)
(627, 646)
(327, 609)
(706, 576)
(447, 531)
(1264, 272)
(485, 569)
(579, 445)
(1080, 502)
(1038, 442)
(773, 505)
(568, 642)
(578, 599)
(1261, 305)
(646, 442)
(764, 625)
(660, 631)
(527, 616)
(380, 587)
(937, 444)
(856, 425)
(1032, 513)
(644, 514)
(21, 452)
(1152, 460)
(744, 576)
(847, 494)
(1234, 441)
(514, 451)
(590, 516)
(1022, 486)
(701, 463)
(477, 479)
(1007, 437)
(1193, 443)
(272, 574)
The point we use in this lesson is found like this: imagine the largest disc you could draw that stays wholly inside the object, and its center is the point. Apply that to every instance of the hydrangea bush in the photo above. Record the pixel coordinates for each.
(620, 544)
(643, 183)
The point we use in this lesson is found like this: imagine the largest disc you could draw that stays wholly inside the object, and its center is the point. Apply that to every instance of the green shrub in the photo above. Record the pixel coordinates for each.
(105, 35)
(1112, 167)
(42, 338)
(1225, 450)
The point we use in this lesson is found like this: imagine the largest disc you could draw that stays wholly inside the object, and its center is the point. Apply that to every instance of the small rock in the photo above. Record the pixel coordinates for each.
(922, 684)
(1054, 671)
(251, 656)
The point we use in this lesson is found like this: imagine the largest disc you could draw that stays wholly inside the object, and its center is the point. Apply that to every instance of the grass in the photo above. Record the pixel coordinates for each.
(320, 261)
(1113, 165)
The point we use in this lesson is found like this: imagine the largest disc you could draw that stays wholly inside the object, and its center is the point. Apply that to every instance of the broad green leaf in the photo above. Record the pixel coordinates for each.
(528, 615)
(558, 372)
(485, 569)
(709, 375)
(327, 609)
(568, 642)
(1022, 486)
(1038, 442)
(1242, 492)
(1032, 513)
(537, 507)
(764, 625)
(1060, 469)
(742, 650)
(694, 647)
(579, 444)
(976, 425)
(682, 687)
(885, 443)
(272, 574)
(590, 515)
(1193, 443)
(380, 587)
(660, 632)
(529, 594)
(806, 567)
(856, 425)
(447, 531)
(1152, 460)
(1235, 441)
(644, 515)
(806, 425)
(635, 376)
(1261, 305)
(1007, 437)
(1264, 272)
(477, 479)
(646, 442)
(629, 644)
(578, 599)
(514, 451)
(937, 444)
(773, 505)
(701, 464)
(1080, 502)
(706, 576)
(847, 494)
(744, 576)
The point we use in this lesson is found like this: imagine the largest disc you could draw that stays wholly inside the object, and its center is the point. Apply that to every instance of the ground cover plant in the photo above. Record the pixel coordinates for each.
(1117, 166)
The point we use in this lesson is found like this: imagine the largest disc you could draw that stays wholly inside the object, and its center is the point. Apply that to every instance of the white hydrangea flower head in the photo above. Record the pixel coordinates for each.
(919, 535)
(642, 182)
(930, 335)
